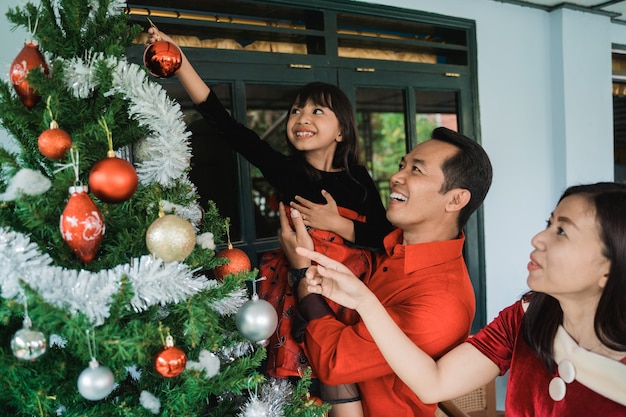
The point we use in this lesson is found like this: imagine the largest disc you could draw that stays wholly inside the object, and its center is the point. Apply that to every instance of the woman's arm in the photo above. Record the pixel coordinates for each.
(458, 372)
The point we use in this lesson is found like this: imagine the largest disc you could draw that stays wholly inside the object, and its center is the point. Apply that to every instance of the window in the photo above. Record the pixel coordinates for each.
(619, 112)
(406, 73)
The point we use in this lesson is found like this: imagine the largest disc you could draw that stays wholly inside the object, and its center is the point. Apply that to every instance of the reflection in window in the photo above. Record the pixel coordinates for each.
(267, 109)
(381, 123)
(434, 109)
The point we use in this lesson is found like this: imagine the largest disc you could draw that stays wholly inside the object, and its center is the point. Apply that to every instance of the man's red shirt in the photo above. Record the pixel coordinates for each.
(427, 291)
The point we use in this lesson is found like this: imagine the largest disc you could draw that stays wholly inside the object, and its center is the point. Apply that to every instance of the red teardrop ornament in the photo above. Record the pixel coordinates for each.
(28, 58)
(113, 180)
(162, 58)
(82, 224)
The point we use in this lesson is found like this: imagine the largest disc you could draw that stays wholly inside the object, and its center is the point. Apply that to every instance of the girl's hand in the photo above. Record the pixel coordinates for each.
(321, 216)
(334, 280)
(156, 35)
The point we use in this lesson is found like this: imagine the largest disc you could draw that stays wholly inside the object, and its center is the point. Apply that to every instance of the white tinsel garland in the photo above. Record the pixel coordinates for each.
(270, 402)
(154, 282)
(167, 143)
(153, 108)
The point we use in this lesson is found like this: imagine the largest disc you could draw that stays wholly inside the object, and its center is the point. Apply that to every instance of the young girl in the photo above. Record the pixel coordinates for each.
(563, 343)
(323, 179)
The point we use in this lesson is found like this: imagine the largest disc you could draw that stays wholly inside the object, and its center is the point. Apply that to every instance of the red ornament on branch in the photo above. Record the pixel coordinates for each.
(238, 260)
(170, 361)
(54, 142)
(82, 224)
(113, 180)
(28, 58)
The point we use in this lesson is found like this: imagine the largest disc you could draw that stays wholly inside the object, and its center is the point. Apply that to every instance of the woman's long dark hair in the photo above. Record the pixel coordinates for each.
(347, 153)
(544, 314)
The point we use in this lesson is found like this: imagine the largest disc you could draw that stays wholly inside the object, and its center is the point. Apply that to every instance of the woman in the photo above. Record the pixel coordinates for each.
(564, 342)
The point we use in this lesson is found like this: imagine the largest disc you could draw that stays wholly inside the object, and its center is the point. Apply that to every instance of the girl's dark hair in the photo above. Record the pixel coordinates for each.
(544, 314)
(347, 152)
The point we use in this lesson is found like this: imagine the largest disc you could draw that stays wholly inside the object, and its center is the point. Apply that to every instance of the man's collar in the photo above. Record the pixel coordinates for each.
(423, 255)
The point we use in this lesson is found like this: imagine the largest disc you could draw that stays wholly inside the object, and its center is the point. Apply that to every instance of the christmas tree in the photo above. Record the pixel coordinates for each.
(108, 303)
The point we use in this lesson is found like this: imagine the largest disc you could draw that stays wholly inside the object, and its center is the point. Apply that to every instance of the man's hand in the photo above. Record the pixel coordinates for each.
(334, 280)
(290, 238)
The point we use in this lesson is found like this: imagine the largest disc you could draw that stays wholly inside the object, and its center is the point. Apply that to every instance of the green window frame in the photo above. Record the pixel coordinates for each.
(354, 45)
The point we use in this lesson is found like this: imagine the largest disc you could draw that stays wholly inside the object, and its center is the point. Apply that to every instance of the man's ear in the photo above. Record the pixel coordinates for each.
(459, 198)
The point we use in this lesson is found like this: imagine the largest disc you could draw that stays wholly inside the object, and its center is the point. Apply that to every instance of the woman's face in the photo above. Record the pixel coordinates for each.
(568, 260)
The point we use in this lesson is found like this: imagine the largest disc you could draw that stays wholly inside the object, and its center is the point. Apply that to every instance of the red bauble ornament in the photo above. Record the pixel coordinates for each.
(82, 224)
(170, 361)
(54, 142)
(113, 179)
(28, 58)
(162, 58)
(239, 262)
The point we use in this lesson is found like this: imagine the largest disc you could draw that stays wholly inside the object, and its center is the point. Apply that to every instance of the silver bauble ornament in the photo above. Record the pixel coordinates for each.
(95, 382)
(28, 344)
(171, 238)
(256, 319)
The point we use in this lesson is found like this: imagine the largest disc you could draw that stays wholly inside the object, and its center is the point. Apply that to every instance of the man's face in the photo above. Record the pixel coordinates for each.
(416, 204)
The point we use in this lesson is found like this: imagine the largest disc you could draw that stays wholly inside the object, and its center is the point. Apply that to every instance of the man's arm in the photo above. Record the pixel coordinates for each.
(458, 372)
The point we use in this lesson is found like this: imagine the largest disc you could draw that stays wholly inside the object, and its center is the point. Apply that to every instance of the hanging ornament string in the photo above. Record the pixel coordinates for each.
(27, 321)
(92, 350)
(161, 333)
(254, 293)
(74, 159)
(49, 109)
(103, 123)
(156, 28)
(33, 30)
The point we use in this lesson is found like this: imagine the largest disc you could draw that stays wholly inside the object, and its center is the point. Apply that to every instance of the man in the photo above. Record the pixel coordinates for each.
(421, 280)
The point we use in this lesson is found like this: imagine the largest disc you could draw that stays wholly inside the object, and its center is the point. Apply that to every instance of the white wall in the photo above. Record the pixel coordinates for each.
(12, 43)
(546, 119)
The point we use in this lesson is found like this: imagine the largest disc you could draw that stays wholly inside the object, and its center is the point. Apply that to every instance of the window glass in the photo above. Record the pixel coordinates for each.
(434, 109)
(267, 109)
(381, 123)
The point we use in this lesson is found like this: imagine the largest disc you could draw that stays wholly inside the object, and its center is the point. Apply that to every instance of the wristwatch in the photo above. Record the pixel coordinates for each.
(295, 275)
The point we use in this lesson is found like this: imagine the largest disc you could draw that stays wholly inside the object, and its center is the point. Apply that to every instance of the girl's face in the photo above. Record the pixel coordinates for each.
(312, 128)
(568, 260)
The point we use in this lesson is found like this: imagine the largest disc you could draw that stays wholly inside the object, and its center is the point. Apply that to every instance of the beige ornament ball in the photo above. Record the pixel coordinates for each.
(171, 238)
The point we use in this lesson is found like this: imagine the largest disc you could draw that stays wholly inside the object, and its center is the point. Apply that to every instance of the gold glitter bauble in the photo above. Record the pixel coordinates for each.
(171, 238)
